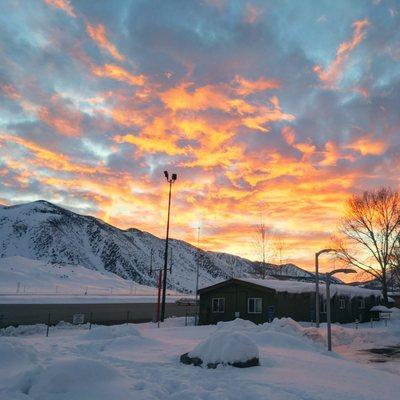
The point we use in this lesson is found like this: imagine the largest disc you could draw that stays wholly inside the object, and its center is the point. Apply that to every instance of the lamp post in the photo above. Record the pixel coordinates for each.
(328, 301)
(317, 283)
(197, 270)
(170, 181)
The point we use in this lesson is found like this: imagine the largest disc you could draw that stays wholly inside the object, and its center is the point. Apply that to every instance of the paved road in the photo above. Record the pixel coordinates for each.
(103, 313)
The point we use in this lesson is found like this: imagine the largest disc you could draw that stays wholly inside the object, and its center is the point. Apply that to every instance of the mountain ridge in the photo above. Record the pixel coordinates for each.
(45, 231)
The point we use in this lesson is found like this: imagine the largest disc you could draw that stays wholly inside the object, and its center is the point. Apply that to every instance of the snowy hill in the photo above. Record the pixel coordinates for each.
(19, 275)
(43, 231)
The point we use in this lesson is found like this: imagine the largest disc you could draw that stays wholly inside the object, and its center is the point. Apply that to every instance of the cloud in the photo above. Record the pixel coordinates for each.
(333, 72)
(218, 92)
(98, 34)
(64, 5)
(367, 145)
(112, 71)
(252, 14)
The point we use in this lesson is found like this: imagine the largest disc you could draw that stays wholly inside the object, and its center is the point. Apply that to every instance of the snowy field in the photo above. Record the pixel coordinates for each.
(30, 281)
(142, 362)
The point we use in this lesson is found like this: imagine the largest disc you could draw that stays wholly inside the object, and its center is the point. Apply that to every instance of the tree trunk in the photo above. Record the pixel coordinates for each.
(385, 290)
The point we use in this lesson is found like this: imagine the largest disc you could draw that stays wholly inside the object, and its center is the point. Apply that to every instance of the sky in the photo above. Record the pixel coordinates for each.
(273, 111)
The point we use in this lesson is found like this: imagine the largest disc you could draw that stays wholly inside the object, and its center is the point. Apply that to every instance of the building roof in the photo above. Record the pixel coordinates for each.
(304, 287)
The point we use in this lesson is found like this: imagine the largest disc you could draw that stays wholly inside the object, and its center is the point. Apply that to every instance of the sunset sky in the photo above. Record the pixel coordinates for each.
(273, 108)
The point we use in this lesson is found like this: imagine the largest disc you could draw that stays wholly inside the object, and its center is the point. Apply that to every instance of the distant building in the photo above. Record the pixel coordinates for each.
(261, 300)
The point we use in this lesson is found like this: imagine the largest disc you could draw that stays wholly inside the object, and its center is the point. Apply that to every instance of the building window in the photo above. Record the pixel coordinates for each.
(361, 303)
(218, 305)
(342, 304)
(254, 305)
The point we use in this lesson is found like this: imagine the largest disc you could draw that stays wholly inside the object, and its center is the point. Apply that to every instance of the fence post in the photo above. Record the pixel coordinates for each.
(90, 320)
(48, 326)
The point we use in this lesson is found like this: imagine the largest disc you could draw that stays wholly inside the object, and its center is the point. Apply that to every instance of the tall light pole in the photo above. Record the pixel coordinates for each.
(170, 181)
(197, 268)
(328, 301)
(317, 283)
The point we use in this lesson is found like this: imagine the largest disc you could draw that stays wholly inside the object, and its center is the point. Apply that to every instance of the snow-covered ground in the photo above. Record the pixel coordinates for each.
(23, 276)
(142, 362)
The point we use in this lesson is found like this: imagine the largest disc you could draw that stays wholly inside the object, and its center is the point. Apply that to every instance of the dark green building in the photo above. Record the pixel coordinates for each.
(262, 300)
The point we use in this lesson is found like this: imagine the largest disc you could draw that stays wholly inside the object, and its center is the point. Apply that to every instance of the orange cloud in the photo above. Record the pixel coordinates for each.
(64, 119)
(252, 14)
(118, 73)
(246, 87)
(330, 75)
(41, 156)
(11, 92)
(289, 134)
(186, 97)
(332, 154)
(265, 115)
(368, 146)
(98, 34)
(64, 5)
(154, 138)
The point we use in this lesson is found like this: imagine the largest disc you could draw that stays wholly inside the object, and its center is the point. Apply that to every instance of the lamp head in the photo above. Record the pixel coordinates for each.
(166, 174)
(174, 176)
(342, 271)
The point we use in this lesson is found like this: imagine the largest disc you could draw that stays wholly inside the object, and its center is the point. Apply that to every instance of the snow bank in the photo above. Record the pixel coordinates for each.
(285, 324)
(226, 348)
(79, 378)
(99, 332)
(236, 324)
(395, 313)
(38, 329)
(14, 357)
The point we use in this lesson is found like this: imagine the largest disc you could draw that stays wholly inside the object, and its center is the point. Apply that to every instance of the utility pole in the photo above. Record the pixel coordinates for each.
(151, 261)
(164, 286)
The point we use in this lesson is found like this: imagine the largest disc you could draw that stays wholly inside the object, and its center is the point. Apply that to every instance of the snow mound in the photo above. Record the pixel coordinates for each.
(78, 378)
(13, 356)
(236, 324)
(100, 332)
(225, 348)
(395, 313)
(285, 324)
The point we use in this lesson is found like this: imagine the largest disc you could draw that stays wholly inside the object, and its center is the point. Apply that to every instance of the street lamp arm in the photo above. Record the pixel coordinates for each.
(341, 271)
(326, 251)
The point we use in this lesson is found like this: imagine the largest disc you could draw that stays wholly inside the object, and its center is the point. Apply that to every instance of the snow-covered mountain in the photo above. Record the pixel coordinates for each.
(43, 231)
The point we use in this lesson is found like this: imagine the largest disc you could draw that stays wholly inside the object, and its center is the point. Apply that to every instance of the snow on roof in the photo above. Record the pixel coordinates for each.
(381, 309)
(307, 287)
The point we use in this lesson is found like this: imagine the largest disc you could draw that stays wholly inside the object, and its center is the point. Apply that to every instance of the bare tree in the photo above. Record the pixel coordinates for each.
(262, 248)
(371, 231)
(395, 266)
(280, 246)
